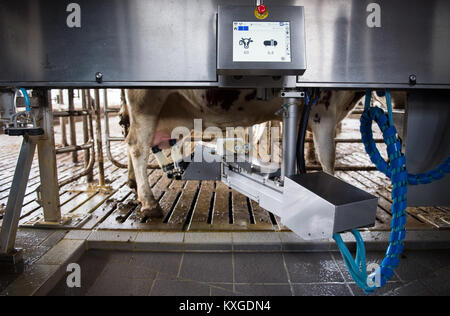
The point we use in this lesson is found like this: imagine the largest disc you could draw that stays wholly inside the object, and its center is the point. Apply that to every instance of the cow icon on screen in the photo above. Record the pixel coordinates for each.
(246, 42)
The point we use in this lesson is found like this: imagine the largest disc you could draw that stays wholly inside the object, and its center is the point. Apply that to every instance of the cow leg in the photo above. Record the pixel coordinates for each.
(323, 126)
(131, 177)
(143, 121)
(139, 141)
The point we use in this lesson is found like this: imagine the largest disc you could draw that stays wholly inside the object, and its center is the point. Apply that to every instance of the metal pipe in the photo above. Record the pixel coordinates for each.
(348, 141)
(111, 157)
(101, 168)
(72, 127)
(112, 110)
(290, 121)
(69, 149)
(106, 111)
(91, 108)
(86, 136)
(64, 114)
(89, 146)
(344, 168)
(116, 139)
(86, 172)
(15, 199)
(108, 138)
(63, 121)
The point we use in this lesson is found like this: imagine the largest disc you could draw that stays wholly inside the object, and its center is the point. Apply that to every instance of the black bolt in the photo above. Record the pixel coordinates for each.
(156, 149)
(412, 79)
(172, 142)
(99, 77)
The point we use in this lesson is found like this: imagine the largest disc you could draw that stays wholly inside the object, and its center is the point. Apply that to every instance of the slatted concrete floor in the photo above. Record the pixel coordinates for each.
(191, 205)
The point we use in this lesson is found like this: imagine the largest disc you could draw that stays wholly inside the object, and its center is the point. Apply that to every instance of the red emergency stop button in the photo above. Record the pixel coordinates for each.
(262, 9)
(261, 12)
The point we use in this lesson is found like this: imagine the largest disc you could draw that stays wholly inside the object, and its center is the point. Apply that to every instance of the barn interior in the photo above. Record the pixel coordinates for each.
(228, 228)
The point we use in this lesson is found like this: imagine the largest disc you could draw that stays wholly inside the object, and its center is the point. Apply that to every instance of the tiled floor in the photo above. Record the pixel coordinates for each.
(249, 274)
(34, 243)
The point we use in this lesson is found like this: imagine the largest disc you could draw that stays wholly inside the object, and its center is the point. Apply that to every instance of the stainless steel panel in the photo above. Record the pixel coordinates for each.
(173, 43)
(257, 188)
(317, 205)
(127, 41)
(428, 145)
(341, 48)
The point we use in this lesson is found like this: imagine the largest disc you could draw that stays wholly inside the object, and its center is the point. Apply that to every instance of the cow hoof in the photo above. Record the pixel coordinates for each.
(132, 184)
(156, 212)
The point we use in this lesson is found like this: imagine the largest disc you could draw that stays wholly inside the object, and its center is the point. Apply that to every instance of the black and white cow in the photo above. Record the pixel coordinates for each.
(151, 115)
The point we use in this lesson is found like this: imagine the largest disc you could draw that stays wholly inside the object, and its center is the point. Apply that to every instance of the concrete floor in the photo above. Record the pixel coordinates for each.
(249, 274)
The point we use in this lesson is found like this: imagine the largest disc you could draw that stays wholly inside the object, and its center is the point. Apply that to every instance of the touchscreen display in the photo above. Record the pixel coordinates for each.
(261, 42)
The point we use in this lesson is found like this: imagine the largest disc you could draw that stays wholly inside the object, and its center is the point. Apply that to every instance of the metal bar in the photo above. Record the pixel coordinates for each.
(64, 114)
(115, 139)
(63, 121)
(72, 126)
(290, 121)
(108, 138)
(15, 200)
(89, 147)
(344, 168)
(86, 138)
(112, 110)
(69, 149)
(49, 189)
(86, 172)
(349, 141)
(360, 112)
(90, 106)
(101, 169)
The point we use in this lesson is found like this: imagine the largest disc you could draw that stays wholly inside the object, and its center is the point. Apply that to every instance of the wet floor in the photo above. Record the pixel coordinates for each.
(249, 274)
(34, 244)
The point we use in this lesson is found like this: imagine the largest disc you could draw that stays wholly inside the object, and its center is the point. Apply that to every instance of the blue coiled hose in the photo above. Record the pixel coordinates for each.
(397, 172)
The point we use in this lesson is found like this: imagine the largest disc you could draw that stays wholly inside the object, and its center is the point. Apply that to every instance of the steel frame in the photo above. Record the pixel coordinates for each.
(15, 200)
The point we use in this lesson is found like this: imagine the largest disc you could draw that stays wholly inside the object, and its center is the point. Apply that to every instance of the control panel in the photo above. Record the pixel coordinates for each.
(262, 42)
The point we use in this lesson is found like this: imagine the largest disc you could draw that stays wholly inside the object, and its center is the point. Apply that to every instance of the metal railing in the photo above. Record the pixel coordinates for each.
(108, 139)
(87, 111)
